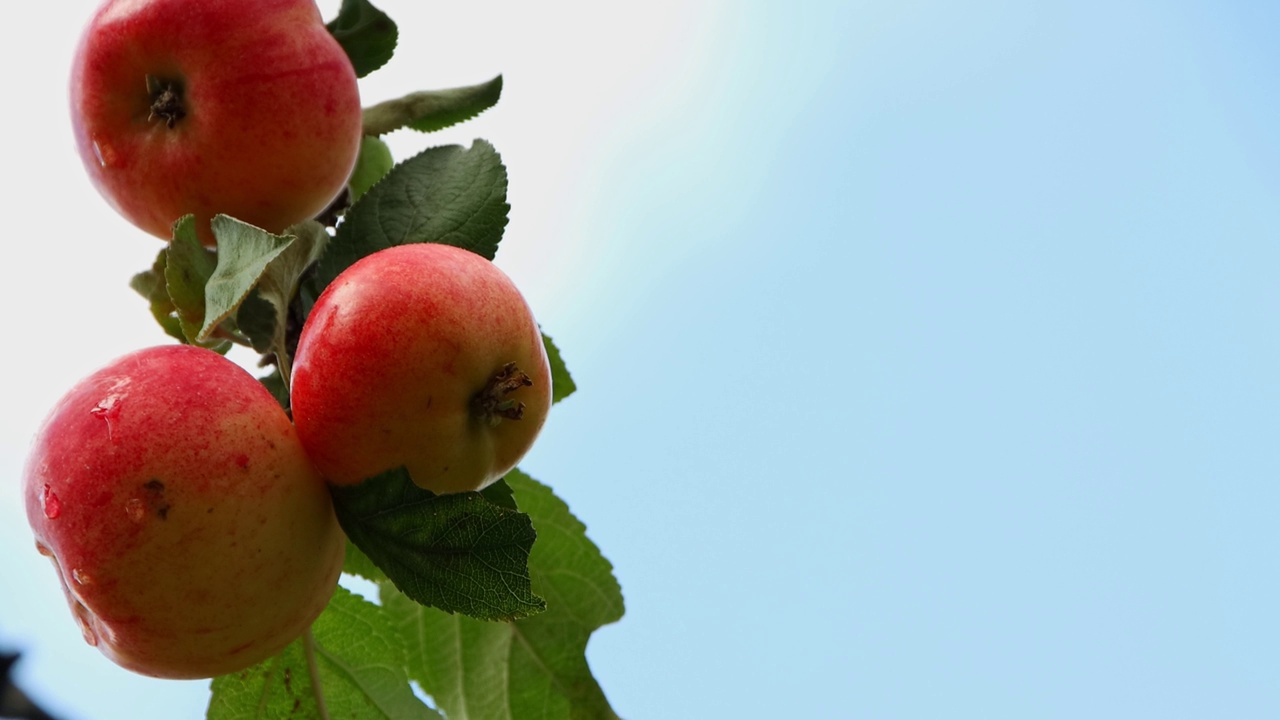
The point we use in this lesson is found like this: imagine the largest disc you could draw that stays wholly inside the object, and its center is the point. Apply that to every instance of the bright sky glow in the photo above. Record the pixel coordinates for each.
(927, 352)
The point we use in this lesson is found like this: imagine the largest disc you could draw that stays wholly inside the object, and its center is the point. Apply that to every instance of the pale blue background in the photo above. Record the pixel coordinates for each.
(928, 351)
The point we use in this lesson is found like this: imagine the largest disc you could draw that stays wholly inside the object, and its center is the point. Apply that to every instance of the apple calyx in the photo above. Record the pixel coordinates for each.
(166, 100)
(489, 404)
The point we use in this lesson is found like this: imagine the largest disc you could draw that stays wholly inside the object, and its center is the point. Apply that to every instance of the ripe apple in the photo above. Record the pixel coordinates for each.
(424, 356)
(190, 532)
(243, 107)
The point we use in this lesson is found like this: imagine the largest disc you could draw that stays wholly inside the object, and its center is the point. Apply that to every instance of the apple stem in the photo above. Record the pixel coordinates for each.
(491, 404)
(313, 670)
(166, 100)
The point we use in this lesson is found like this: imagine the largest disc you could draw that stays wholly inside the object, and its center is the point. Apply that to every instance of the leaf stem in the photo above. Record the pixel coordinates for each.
(313, 670)
(280, 348)
(286, 372)
(222, 333)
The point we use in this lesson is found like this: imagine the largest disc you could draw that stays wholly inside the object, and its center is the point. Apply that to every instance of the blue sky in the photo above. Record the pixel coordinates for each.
(927, 352)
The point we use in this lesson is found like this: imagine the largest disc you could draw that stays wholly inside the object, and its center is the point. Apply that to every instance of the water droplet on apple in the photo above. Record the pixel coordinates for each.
(50, 503)
(107, 407)
(43, 549)
(81, 577)
(136, 509)
(84, 618)
(86, 627)
(104, 154)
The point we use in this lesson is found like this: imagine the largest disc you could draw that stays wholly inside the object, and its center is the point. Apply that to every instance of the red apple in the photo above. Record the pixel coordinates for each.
(243, 107)
(190, 532)
(424, 356)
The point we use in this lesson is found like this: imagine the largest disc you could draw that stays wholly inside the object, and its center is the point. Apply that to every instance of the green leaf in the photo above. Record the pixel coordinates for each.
(500, 494)
(243, 254)
(279, 283)
(532, 669)
(256, 318)
(366, 34)
(432, 110)
(175, 285)
(360, 662)
(188, 267)
(562, 384)
(373, 164)
(151, 284)
(451, 195)
(263, 314)
(457, 552)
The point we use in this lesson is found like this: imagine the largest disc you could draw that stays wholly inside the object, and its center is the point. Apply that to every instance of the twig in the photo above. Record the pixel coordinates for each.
(313, 669)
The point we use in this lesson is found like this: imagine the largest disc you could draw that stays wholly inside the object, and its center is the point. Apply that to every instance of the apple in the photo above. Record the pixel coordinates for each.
(191, 534)
(424, 356)
(243, 107)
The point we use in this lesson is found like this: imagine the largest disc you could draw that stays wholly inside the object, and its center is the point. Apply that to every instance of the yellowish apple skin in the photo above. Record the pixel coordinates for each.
(391, 358)
(189, 530)
(271, 122)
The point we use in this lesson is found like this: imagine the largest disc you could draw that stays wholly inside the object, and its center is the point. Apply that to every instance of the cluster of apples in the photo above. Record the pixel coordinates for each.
(186, 513)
